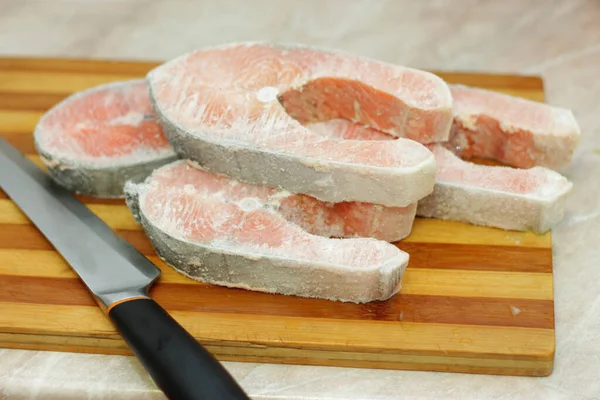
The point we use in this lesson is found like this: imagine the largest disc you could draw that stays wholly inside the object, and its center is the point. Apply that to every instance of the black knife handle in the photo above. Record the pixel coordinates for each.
(180, 366)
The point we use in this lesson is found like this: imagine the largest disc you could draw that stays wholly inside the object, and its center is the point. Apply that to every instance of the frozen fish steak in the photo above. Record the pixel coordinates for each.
(341, 220)
(495, 196)
(513, 131)
(219, 236)
(241, 110)
(95, 140)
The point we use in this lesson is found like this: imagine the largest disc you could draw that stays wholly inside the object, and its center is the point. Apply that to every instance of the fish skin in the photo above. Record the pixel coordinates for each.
(101, 182)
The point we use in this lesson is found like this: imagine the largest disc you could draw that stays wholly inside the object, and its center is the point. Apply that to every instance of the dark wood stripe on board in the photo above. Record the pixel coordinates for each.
(216, 299)
(85, 199)
(42, 64)
(30, 101)
(422, 255)
(23, 143)
(478, 257)
(28, 237)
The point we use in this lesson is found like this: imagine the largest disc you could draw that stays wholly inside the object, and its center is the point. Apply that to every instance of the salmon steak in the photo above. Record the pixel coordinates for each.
(494, 196)
(95, 140)
(513, 131)
(342, 220)
(220, 231)
(241, 110)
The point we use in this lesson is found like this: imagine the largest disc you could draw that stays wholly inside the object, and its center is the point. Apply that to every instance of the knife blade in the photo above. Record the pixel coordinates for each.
(119, 277)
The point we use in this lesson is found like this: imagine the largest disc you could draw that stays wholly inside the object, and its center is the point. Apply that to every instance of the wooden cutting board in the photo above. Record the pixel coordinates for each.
(474, 299)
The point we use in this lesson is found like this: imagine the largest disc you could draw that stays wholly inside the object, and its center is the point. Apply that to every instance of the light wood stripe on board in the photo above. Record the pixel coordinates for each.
(117, 217)
(47, 64)
(53, 82)
(19, 122)
(438, 231)
(42, 101)
(288, 355)
(424, 230)
(362, 336)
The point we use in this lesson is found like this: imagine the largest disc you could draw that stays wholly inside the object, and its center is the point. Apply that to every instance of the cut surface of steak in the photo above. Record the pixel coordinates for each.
(232, 235)
(341, 220)
(495, 196)
(240, 110)
(511, 130)
(95, 140)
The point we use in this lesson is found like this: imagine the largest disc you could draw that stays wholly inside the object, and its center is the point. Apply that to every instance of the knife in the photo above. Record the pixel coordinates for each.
(119, 277)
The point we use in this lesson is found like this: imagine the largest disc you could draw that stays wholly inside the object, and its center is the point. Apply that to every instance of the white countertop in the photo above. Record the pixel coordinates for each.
(558, 39)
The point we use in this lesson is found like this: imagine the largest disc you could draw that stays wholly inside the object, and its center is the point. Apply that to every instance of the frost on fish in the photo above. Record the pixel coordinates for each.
(95, 140)
(241, 111)
(342, 220)
(216, 230)
(514, 131)
(495, 196)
